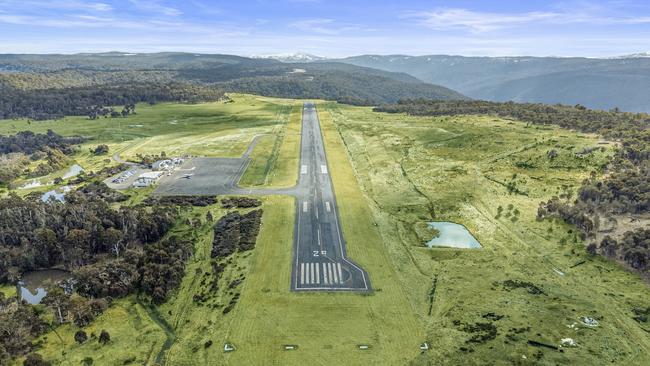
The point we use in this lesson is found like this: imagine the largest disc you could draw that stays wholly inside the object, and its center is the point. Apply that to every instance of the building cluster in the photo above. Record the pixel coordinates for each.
(159, 168)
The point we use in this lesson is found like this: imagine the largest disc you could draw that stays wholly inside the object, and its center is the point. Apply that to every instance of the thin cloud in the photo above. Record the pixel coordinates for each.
(156, 7)
(326, 26)
(321, 26)
(478, 22)
(58, 5)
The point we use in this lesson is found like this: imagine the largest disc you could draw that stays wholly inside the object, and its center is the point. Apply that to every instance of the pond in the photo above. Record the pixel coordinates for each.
(58, 194)
(452, 235)
(73, 171)
(33, 184)
(32, 285)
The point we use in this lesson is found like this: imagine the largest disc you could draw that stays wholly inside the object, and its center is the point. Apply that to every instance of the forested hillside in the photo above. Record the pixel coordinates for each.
(51, 86)
(603, 205)
(595, 83)
(92, 100)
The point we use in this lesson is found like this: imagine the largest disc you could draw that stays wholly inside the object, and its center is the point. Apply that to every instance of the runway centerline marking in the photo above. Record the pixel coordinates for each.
(315, 188)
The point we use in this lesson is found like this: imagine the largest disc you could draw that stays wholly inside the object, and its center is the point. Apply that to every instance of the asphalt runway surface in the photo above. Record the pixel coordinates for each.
(319, 260)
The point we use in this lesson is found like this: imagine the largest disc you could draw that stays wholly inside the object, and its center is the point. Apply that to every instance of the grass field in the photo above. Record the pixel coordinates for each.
(326, 327)
(275, 157)
(531, 281)
(135, 338)
(462, 169)
(208, 129)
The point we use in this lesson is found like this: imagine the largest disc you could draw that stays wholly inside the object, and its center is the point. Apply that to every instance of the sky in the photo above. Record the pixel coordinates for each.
(329, 28)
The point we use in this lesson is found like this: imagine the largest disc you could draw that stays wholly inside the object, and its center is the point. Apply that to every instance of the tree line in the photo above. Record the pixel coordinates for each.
(96, 100)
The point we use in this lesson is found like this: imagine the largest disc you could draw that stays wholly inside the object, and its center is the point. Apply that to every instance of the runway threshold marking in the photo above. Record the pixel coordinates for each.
(302, 273)
(335, 278)
(323, 168)
(311, 265)
(325, 274)
(340, 273)
(317, 273)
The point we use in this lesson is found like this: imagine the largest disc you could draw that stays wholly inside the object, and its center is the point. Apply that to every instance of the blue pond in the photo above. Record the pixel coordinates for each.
(452, 235)
(58, 194)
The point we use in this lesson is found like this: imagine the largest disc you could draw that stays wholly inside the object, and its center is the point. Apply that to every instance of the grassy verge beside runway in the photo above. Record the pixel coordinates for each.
(326, 327)
(275, 157)
(533, 280)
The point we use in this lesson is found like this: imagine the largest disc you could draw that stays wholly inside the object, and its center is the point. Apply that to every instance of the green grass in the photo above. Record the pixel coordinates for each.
(8, 290)
(207, 129)
(458, 169)
(327, 327)
(390, 174)
(275, 158)
(135, 338)
(263, 157)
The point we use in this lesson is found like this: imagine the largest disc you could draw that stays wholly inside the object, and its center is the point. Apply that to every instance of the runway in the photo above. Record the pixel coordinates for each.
(319, 260)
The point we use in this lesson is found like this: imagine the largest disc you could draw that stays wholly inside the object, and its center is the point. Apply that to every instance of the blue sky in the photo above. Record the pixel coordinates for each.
(328, 27)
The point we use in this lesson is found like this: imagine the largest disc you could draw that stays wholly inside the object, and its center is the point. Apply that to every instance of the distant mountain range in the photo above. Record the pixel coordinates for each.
(622, 82)
(265, 76)
(292, 57)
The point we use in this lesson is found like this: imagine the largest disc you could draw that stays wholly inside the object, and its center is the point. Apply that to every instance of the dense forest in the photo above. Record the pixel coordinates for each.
(600, 203)
(40, 104)
(29, 142)
(110, 253)
(17, 151)
(52, 86)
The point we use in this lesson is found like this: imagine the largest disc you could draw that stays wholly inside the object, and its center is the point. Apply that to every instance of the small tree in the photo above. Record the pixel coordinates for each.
(104, 337)
(80, 336)
(101, 149)
(34, 359)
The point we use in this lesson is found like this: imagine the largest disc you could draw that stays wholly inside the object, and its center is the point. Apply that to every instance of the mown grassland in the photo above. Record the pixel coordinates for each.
(207, 129)
(326, 327)
(274, 160)
(483, 306)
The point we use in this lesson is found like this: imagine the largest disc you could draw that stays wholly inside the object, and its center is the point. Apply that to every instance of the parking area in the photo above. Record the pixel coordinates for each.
(125, 179)
(203, 176)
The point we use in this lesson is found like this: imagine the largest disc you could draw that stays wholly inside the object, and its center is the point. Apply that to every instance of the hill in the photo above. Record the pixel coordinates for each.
(326, 80)
(595, 83)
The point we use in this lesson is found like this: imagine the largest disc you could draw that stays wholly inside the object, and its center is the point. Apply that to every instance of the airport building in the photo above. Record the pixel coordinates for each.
(147, 179)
